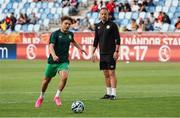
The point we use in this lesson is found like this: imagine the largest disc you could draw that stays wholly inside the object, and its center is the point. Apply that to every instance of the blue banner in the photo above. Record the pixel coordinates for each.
(7, 51)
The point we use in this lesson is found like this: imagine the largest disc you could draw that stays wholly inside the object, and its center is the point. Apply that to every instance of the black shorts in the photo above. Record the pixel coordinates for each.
(107, 62)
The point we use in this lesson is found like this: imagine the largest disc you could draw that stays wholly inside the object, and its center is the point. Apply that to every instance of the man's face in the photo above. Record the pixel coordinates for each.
(65, 25)
(104, 15)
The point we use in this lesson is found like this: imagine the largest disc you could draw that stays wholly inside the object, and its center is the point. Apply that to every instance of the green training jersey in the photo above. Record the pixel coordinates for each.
(61, 43)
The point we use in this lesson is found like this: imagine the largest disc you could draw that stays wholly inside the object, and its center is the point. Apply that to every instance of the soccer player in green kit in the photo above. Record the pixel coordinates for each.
(58, 61)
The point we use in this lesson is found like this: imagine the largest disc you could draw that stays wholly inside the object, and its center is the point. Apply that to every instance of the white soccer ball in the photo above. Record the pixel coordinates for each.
(77, 106)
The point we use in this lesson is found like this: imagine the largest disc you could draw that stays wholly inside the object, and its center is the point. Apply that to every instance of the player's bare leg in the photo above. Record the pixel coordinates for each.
(113, 82)
(62, 84)
(108, 85)
(44, 86)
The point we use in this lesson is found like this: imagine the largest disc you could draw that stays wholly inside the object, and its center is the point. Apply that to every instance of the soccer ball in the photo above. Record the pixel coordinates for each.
(77, 106)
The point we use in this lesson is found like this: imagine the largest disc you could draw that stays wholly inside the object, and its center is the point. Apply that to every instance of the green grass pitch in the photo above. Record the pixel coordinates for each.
(144, 90)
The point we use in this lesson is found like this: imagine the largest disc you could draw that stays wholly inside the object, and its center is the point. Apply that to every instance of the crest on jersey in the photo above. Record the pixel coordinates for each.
(107, 27)
(99, 27)
(70, 37)
(60, 36)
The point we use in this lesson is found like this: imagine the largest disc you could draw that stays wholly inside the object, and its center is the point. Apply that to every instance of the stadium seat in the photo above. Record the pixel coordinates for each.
(168, 2)
(178, 8)
(32, 5)
(9, 5)
(26, 5)
(59, 11)
(159, 8)
(29, 11)
(46, 11)
(30, 27)
(151, 9)
(128, 15)
(176, 14)
(165, 9)
(88, 14)
(175, 3)
(171, 28)
(15, 5)
(165, 27)
(121, 15)
(50, 5)
(18, 28)
(24, 28)
(135, 15)
(170, 15)
(95, 15)
(124, 22)
(172, 9)
(37, 28)
(53, 10)
(44, 5)
(65, 11)
(142, 15)
(46, 23)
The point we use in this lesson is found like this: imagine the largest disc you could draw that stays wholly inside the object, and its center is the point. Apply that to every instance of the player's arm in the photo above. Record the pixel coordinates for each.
(117, 41)
(95, 44)
(51, 47)
(78, 46)
(96, 40)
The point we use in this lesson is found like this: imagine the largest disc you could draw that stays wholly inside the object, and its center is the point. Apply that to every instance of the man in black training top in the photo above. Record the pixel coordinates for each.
(107, 36)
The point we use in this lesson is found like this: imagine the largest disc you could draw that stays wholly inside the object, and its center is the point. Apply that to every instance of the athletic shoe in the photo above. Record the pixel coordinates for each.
(39, 102)
(112, 97)
(106, 96)
(57, 100)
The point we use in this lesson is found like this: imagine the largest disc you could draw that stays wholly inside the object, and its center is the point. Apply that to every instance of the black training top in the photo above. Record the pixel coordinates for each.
(107, 36)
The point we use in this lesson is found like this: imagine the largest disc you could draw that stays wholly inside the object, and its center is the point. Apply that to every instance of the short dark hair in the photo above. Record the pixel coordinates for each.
(66, 18)
(103, 8)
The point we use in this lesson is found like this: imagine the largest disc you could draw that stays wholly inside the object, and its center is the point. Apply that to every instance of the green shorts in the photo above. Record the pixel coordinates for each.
(52, 69)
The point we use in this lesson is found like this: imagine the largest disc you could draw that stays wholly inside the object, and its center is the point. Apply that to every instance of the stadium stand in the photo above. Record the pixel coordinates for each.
(46, 13)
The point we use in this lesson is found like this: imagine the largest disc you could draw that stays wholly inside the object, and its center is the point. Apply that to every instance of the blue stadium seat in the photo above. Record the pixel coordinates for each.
(165, 9)
(172, 9)
(168, 2)
(142, 15)
(50, 5)
(158, 8)
(178, 8)
(121, 15)
(171, 28)
(46, 11)
(50, 16)
(135, 15)
(36, 28)
(30, 27)
(95, 15)
(128, 15)
(175, 3)
(176, 14)
(18, 28)
(151, 9)
(24, 28)
(26, 5)
(170, 14)
(43, 16)
(124, 22)
(9, 5)
(44, 5)
(165, 27)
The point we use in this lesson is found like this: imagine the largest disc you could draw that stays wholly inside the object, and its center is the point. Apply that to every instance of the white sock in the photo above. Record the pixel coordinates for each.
(42, 94)
(58, 93)
(108, 90)
(113, 91)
